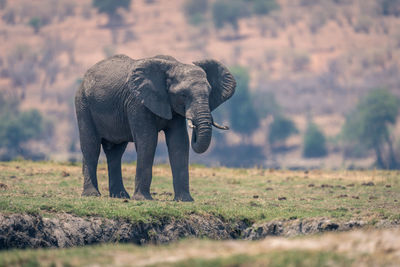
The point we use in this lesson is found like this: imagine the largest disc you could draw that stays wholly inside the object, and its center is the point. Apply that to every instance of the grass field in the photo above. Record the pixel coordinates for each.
(357, 248)
(256, 195)
(125, 255)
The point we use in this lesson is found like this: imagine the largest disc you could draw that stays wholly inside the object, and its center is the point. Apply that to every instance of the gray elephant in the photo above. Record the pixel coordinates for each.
(123, 100)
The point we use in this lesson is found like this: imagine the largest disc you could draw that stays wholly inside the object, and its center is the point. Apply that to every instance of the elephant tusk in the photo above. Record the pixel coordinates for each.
(190, 124)
(216, 125)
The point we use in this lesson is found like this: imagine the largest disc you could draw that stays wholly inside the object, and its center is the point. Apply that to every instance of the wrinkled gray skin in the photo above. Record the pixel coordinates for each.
(123, 100)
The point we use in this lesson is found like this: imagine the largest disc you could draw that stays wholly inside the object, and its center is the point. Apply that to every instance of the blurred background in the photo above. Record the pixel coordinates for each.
(318, 80)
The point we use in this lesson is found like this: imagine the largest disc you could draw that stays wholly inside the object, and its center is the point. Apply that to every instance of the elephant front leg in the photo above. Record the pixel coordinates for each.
(178, 150)
(114, 154)
(145, 148)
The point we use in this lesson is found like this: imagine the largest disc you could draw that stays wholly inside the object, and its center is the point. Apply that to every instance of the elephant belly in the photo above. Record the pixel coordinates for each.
(112, 128)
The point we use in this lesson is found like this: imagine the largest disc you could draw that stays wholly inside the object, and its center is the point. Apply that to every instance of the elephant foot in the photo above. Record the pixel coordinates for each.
(185, 197)
(92, 192)
(142, 196)
(120, 194)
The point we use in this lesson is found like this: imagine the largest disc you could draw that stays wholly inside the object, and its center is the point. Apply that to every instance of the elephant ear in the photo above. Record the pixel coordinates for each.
(148, 83)
(222, 82)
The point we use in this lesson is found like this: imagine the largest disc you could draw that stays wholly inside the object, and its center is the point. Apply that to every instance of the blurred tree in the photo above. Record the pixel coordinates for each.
(36, 23)
(390, 7)
(263, 7)
(18, 127)
(241, 155)
(110, 7)
(195, 10)
(229, 12)
(9, 16)
(314, 144)
(281, 129)
(309, 2)
(265, 104)
(242, 115)
(368, 125)
(48, 60)
(22, 68)
(3, 4)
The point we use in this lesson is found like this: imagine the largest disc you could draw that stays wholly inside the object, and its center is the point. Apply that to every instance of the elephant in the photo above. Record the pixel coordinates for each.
(123, 100)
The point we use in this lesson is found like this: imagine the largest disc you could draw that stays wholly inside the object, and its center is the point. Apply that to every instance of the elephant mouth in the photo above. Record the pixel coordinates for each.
(213, 123)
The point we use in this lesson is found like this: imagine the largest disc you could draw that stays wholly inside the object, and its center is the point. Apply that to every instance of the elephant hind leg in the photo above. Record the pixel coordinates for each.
(114, 154)
(90, 146)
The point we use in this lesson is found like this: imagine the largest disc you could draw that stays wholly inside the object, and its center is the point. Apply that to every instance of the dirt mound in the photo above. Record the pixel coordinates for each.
(65, 230)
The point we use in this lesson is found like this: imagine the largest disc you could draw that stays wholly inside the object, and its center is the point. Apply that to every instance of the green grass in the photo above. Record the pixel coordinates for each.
(302, 251)
(293, 258)
(108, 255)
(331, 249)
(256, 195)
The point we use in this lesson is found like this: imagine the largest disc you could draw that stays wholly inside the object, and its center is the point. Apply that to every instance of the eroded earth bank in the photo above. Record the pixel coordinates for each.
(65, 230)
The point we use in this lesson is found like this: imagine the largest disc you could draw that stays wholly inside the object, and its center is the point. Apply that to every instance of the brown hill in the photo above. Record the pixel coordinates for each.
(317, 57)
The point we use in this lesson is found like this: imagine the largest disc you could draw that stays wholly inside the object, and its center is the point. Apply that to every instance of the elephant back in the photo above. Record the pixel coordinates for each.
(107, 78)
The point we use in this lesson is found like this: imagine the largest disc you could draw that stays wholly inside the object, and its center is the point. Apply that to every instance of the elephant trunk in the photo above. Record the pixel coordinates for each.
(201, 134)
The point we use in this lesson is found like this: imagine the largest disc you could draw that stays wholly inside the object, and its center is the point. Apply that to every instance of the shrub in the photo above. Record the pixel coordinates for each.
(314, 142)
(281, 129)
(109, 51)
(3, 4)
(22, 67)
(264, 7)
(396, 38)
(367, 125)
(228, 12)
(242, 155)
(317, 20)
(110, 7)
(64, 9)
(300, 61)
(36, 23)
(195, 6)
(309, 2)
(363, 24)
(242, 114)
(68, 9)
(129, 36)
(87, 12)
(390, 7)
(239, 110)
(265, 104)
(18, 127)
(270, 55)
(196, 19)
(9, 16)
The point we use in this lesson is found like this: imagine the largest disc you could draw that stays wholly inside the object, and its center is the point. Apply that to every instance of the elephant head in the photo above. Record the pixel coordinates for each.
(192, 91)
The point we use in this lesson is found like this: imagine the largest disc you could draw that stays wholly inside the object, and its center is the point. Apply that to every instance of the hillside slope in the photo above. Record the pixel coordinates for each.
(315, 58)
